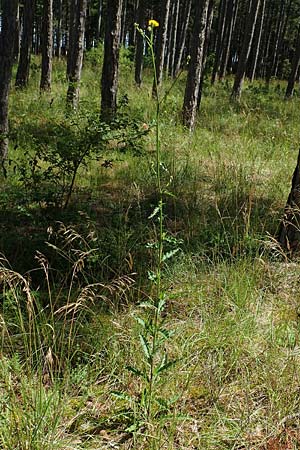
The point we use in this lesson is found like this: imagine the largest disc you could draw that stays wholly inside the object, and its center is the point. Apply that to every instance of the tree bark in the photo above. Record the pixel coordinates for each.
(17, 36)
(273, 56)
(294, 71)
(257, 40)
(196, 65)
(47, 45)
(229, 29)
(289, 229)
(282, 37)
(174, 40)
(99, 20)
(110, 70)
(58, 29)
(72, 30)
(245, 51)
(7, 36)
(76, 56)
(22, 76)
(181, 38)
(161, 44)
(123, 22)
(139, 52)
(169, 36)
(210, 15)
(224, 5)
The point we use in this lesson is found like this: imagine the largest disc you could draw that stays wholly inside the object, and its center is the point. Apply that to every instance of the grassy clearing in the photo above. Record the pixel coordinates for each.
(68, 329)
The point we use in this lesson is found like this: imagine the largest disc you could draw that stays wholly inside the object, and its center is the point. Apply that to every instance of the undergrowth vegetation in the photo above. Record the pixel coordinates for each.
(79, 234)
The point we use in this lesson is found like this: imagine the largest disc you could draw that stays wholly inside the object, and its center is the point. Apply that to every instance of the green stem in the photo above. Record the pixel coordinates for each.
(160, 237)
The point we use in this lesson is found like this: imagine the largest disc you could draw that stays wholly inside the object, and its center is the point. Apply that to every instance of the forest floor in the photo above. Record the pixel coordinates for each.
(75, 281)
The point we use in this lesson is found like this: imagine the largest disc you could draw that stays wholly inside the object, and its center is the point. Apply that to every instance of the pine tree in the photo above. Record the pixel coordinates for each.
(8, 30)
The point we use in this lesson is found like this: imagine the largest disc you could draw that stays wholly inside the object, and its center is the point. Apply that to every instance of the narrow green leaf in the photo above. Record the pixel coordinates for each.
(166, 366)
(140, 321)
(154, 212)
(145, 346)
(135, 371)
(161, 305)
(170, 254)
(121, 395)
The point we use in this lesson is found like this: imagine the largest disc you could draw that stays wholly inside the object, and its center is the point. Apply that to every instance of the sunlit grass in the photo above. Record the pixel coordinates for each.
(233, 306)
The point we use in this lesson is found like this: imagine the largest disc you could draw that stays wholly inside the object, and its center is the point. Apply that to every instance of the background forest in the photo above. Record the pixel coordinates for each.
(149, 211)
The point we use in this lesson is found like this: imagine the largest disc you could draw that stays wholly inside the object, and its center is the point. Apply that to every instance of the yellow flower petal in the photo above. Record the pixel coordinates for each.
(153, 23)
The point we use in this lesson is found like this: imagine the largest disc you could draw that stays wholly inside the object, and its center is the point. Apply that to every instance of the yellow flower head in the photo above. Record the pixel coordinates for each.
(153, 23)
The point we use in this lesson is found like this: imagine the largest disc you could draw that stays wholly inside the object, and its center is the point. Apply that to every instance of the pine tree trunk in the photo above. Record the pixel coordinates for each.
(273, 56)
(210, 15)
(257, 40)
(289, 235)
(195, 66)
(99, 20)
(110, 69)
(169, 36)
(229, 28)
(139, 52)
(220, 38)
(123, 22)
(161, 44)
(88, 28)
(181, 39)
(58, 30)
(72, 30)
(76, 56)
(279, 58)
(245, 51)
(7, 36)
(17, 36)
(22, 76)
(174, 40)
(294, 71)
(266, 40)
(47, 45)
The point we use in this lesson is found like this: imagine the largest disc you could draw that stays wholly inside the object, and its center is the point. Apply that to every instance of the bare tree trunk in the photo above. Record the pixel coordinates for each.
(139, 52)
(257, 40)
(161, 44)
(289, 230)
(174, 40)
(17, 36)
(262, 62)
(58, 29)
(77, 55)
(181, 37)
(220, 38)
(72, 30)
(229, 29)
(169, 36)
(22, 76)
(123, 22)
(245, 51)
(282, 36)
(47, 45)
(210, 15)
(7, 36)
(88, 27)
(273, 56)
(195, 67)
(99, 21)
(110, 69)
(294, 71)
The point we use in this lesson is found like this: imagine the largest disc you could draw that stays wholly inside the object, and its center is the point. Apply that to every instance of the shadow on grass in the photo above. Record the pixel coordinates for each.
(223, 228)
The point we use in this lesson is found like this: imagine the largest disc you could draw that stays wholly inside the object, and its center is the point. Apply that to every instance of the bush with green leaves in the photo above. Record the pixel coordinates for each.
(57, 149)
